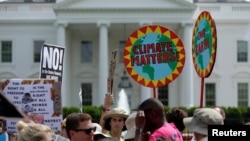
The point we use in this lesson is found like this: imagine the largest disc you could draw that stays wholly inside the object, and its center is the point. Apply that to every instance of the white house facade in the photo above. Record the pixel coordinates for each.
(91, 29)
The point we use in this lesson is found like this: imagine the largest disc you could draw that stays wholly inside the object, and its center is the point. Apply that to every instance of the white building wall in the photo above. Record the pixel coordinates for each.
(232, 24)
(22, 37)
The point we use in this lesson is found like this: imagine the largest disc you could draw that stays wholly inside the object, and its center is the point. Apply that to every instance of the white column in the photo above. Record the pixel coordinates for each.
(61, 41)
(146, 93)
(103, 59)
(187, 72)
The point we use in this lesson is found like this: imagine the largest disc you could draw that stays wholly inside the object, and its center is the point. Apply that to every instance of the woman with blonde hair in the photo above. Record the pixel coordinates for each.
(33, 132)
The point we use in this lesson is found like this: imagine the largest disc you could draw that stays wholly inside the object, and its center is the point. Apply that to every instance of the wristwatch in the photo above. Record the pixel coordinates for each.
(138, 130)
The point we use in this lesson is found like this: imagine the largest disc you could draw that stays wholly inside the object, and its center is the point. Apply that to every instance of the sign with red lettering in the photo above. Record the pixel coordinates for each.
(154, 56)
(204, 44)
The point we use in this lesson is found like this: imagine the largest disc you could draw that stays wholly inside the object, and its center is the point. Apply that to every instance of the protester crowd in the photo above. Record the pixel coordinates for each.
(148, 123)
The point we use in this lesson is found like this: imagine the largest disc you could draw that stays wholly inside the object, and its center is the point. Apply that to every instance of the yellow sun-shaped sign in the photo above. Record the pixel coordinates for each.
(154, 55)
(204, 44)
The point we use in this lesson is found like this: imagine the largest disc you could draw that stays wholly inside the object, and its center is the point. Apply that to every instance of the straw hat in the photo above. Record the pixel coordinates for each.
(201, 118)
(116, 112)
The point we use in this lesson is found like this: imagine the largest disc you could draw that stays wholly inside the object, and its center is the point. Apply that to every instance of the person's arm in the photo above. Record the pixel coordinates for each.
(141, 135)
(137, 134)
(107, 106)
(141, 131)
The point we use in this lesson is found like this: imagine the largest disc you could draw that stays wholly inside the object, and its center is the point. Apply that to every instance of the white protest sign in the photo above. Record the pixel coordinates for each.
(39, 99)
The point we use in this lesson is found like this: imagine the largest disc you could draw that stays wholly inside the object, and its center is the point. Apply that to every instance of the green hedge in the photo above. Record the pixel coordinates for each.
(234, 115)
(94, 111)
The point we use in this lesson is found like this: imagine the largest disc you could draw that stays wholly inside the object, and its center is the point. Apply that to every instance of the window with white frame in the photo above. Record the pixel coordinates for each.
(242, 89)
(6, 51)
(121, 48)
(86, 52)
(86, 93)
(242, 51)
(163, 94)
(37, 50)
(210, 90)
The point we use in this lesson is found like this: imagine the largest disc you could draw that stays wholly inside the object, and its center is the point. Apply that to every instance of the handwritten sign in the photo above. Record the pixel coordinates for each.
(52, 62)
(39, 99)
(112, 66)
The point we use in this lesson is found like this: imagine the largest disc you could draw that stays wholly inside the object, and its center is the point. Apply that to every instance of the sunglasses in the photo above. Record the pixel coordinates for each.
(87, 131)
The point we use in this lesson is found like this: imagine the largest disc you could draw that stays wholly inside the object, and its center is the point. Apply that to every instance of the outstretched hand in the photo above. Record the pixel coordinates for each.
(108, 100)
